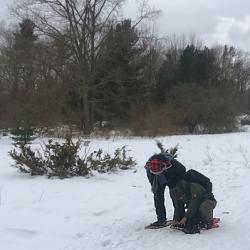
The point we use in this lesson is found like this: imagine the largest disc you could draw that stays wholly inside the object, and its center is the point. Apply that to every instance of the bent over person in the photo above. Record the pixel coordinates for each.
(193, 205)
(162, 170)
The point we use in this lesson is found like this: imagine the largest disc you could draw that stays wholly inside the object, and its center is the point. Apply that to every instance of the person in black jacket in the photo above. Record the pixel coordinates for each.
(162, 170)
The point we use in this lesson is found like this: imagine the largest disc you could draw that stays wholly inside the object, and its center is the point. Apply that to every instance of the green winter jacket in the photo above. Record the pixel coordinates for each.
(195, 194)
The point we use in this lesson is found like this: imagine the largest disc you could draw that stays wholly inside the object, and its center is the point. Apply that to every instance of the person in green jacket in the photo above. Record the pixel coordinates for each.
(193, 206)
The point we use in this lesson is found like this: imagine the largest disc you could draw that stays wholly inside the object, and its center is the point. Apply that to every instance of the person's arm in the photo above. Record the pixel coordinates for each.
(159, 199)
(159, 202)
(150, 177)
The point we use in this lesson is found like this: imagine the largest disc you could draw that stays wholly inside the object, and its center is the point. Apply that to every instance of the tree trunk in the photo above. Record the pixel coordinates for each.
(85, 114)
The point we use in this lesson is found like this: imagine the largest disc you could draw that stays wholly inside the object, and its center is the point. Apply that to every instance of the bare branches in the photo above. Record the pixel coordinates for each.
(83, 27)
(87, 21)
(146, 12)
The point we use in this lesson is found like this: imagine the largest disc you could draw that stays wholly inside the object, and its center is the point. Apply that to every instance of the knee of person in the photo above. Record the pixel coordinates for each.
(207, 205)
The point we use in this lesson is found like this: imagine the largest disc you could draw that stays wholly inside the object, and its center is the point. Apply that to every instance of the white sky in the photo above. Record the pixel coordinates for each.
(222, 21)
(4, 8)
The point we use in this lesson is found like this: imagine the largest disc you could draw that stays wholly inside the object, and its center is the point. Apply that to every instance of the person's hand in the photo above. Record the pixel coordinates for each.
(183, 221)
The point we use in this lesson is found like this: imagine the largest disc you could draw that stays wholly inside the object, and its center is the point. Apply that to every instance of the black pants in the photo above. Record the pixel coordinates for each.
(159, 202)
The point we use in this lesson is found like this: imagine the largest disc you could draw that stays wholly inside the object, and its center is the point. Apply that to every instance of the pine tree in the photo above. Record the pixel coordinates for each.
(119, 83)
(24, 44)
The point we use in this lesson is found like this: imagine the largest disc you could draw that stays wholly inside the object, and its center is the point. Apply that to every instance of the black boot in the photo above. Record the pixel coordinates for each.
(205, 225)
(192, 226)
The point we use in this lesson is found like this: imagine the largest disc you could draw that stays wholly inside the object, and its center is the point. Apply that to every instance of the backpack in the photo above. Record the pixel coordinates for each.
(196, 177)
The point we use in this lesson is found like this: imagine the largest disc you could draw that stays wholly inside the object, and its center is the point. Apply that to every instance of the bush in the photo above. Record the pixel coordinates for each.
(152, 121)
(27, 161)
(63, 160)
(204, 110)
(103, 162)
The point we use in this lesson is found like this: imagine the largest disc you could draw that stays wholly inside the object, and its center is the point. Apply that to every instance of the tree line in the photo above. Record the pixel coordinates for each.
(76, 63)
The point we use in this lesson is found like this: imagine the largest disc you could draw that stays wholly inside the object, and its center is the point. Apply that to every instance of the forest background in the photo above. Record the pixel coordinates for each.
(79, 65)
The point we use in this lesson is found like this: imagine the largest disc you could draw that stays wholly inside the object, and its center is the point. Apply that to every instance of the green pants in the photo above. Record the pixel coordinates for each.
(206, 210)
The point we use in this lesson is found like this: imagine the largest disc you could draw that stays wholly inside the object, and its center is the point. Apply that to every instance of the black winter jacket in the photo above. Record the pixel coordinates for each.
(172, 175)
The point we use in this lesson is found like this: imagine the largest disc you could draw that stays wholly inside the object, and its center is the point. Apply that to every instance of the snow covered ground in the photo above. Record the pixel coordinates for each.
(109, 211)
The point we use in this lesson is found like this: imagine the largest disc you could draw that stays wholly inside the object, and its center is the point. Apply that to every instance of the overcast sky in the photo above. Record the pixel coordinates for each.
(222, 21)
(4, 8)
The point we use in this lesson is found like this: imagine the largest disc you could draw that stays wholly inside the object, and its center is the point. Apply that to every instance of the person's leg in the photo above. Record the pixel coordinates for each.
(159, 201)
(160, 210)
(206, 212)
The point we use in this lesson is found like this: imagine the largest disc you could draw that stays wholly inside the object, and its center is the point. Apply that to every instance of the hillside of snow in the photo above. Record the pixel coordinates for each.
(109, 211)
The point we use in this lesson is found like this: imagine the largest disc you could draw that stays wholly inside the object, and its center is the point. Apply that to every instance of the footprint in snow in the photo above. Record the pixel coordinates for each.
(99, 213)
(22, 232)
(79, 236)
(106, 243)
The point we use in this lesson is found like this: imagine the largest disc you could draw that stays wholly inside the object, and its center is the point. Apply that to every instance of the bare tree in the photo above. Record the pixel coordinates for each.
(83, 25)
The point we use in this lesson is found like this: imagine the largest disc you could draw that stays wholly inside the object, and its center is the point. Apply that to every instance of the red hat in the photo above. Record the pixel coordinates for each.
(157, 166)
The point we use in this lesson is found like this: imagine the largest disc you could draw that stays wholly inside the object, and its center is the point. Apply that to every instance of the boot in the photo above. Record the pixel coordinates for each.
(192, 226)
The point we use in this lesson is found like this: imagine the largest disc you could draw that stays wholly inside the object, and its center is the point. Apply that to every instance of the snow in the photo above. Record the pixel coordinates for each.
(109, 211)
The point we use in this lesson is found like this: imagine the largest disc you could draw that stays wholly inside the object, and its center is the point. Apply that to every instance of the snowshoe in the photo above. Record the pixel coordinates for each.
(177, 226)
(214, 224)
(159, 224)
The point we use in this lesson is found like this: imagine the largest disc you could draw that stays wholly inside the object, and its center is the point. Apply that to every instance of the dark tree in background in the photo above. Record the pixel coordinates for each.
(30, 90)
(201, 88)
(18, 73)
(83, 27)
(119, 85)
(24, 45)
